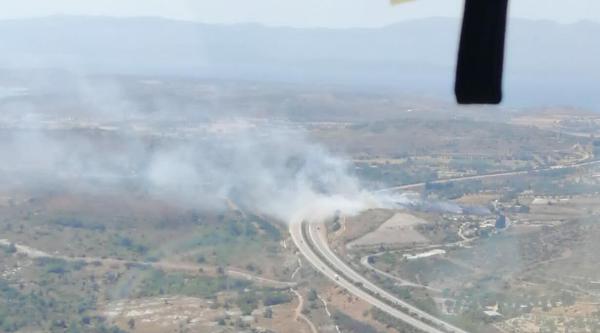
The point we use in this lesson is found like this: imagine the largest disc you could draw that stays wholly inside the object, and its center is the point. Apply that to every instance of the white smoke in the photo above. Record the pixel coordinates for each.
(278, 172)
(198, 159)
(273, 170)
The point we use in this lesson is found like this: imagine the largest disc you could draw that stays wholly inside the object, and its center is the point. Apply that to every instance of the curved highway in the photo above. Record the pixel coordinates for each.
(340, 273)
(356, 284)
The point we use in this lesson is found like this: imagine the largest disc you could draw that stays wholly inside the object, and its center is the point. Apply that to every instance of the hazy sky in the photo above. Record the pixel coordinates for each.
(329, 13)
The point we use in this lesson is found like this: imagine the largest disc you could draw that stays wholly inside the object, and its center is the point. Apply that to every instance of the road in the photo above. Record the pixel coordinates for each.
(299, 314)
(365, 262)
(487, 176)
(162, 265)
(357, 284)
(260, 280)
(318, 237)
(350, 280)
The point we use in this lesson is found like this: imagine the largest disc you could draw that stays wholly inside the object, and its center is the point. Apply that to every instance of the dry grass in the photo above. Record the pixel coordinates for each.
(398, 230)
(170, 314)
(368, 221)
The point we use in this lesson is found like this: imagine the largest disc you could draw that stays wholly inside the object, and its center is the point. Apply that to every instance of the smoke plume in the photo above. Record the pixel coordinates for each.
(263, 166)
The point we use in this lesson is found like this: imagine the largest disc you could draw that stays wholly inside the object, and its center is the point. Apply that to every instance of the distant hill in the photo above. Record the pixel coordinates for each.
(548, 63)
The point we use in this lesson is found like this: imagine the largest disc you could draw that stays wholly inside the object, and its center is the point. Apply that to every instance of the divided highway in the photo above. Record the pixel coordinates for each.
(317, 251)
(337, 271)
(491, 175)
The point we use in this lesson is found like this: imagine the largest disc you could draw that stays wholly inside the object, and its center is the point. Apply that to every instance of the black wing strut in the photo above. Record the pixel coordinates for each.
(481, 53)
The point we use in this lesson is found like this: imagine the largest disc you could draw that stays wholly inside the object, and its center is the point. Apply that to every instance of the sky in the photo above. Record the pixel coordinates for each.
(298, 13)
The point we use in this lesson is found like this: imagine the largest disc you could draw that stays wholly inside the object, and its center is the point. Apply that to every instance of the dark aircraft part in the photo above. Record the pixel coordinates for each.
(481, 53)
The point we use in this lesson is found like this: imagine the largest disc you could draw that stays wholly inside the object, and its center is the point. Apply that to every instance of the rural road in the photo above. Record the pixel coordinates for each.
(365, 262)
(350, 280)
(299, 314)
(162, 265)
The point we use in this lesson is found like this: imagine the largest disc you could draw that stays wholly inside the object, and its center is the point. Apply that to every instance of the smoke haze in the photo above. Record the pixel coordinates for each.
(546, 63)
(265, 167)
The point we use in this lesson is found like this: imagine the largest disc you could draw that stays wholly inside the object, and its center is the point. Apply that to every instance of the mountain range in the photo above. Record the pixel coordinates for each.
(547, 63)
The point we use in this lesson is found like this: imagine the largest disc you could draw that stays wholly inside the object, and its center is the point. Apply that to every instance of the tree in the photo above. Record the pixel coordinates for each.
(268, 313)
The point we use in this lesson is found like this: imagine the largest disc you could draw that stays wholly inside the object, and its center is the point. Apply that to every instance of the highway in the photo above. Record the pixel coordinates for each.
(487, 176)
(356, 284)
(350, 280)
(318, 237)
